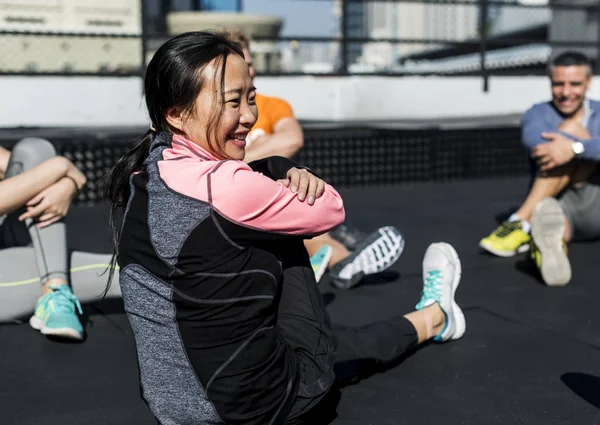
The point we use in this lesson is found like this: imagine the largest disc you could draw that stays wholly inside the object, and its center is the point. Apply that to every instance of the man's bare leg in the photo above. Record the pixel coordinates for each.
(513, 238)
(550, 227)
(545, 186)
(551, 183)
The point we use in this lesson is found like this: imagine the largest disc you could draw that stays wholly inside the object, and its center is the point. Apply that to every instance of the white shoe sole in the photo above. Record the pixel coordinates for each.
(35, 323)
(460, 324)
(506, 254)
(67, 333)
(349, 272)
(459, 317)
(547, 230)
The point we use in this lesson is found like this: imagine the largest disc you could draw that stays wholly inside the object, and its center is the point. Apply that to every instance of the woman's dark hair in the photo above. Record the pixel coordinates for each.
(173, 79)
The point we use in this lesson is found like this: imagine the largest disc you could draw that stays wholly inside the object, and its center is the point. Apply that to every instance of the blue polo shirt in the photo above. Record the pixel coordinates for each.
(544, 117)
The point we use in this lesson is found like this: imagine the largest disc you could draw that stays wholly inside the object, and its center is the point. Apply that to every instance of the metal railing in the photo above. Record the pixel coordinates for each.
(435, 37)
(480, 37)
(371, 37)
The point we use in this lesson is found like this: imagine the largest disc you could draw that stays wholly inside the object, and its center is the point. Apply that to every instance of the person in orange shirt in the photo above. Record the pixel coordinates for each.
(350, 255)
(276, 132)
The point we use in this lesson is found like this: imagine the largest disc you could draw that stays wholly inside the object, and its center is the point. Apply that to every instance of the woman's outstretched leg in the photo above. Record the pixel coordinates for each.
(305, 325)
(437, 316)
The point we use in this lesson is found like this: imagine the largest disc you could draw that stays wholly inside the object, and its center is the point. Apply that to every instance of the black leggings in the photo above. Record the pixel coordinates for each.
(321, 347)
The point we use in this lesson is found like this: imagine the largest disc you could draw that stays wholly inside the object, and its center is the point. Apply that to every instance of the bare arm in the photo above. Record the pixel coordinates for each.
(286, 140)
(18, 190)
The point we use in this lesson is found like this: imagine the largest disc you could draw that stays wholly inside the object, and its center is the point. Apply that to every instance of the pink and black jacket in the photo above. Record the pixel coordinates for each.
(200, 276)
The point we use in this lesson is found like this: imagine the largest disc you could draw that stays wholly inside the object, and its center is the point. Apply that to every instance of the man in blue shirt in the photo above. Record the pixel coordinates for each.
(563, 203)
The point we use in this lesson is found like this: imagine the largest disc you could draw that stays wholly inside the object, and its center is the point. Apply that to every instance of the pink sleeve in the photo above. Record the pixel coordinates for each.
(252, 199)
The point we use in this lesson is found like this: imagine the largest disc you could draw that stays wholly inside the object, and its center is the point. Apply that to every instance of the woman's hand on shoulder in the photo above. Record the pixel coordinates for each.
(305, 184)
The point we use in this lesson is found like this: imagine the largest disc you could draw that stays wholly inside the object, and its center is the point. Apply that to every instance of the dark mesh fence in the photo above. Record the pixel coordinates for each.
(95, 160)
(363, 156)
(94, 157)
(345, 157)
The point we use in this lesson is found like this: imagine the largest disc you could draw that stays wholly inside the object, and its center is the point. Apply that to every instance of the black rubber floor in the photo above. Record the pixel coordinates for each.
(531, 354)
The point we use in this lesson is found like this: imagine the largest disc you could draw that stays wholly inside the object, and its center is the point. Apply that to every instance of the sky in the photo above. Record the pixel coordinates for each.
(300, 17)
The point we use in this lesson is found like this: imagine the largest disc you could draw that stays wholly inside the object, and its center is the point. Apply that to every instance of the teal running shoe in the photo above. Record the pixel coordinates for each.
(441, 276)
(56, 314)
(320, 260)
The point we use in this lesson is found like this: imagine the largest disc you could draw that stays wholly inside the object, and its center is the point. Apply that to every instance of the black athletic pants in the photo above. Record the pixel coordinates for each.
(319, 346)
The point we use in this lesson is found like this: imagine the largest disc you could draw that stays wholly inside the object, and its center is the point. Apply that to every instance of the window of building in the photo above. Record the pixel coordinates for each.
(220, 5)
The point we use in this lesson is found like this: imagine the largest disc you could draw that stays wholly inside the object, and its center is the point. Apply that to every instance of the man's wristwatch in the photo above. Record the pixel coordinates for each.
(578, 148)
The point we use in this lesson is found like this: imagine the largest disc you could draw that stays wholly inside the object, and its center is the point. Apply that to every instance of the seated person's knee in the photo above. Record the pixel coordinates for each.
(34, 147)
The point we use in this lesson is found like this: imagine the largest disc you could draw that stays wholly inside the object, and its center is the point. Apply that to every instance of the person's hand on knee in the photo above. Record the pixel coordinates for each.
(52, 203)
(558, 151)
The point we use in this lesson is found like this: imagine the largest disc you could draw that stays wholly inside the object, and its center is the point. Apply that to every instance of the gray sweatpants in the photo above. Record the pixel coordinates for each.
(581, 205)
(29, 256)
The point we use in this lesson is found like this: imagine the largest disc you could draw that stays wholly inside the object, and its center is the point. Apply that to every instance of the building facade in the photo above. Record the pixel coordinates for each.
(70, 36)
(392, 20)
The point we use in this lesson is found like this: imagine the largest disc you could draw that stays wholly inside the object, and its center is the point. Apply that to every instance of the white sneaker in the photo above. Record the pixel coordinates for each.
(441, 276)
(377, 252)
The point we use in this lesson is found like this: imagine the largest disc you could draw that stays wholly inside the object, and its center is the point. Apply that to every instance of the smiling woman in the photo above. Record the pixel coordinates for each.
(230, 86)
(228, 320)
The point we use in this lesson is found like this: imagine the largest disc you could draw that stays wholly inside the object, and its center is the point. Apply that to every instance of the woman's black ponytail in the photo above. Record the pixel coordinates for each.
(117, 191)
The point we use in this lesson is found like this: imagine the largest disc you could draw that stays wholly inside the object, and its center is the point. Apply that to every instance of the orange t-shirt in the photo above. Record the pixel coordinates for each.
(270, 111)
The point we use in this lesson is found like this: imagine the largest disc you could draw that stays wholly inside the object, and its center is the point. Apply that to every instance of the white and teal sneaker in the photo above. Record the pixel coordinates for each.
(56, 314)
(441, 276)
(320, 260)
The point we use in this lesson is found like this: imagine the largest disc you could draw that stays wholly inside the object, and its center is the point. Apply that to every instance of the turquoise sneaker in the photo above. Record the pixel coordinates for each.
(441, 276)
(55, 314)
(320, 260)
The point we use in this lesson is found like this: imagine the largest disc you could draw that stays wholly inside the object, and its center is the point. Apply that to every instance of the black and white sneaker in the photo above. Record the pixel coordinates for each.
(348, 236)
(374, 254)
